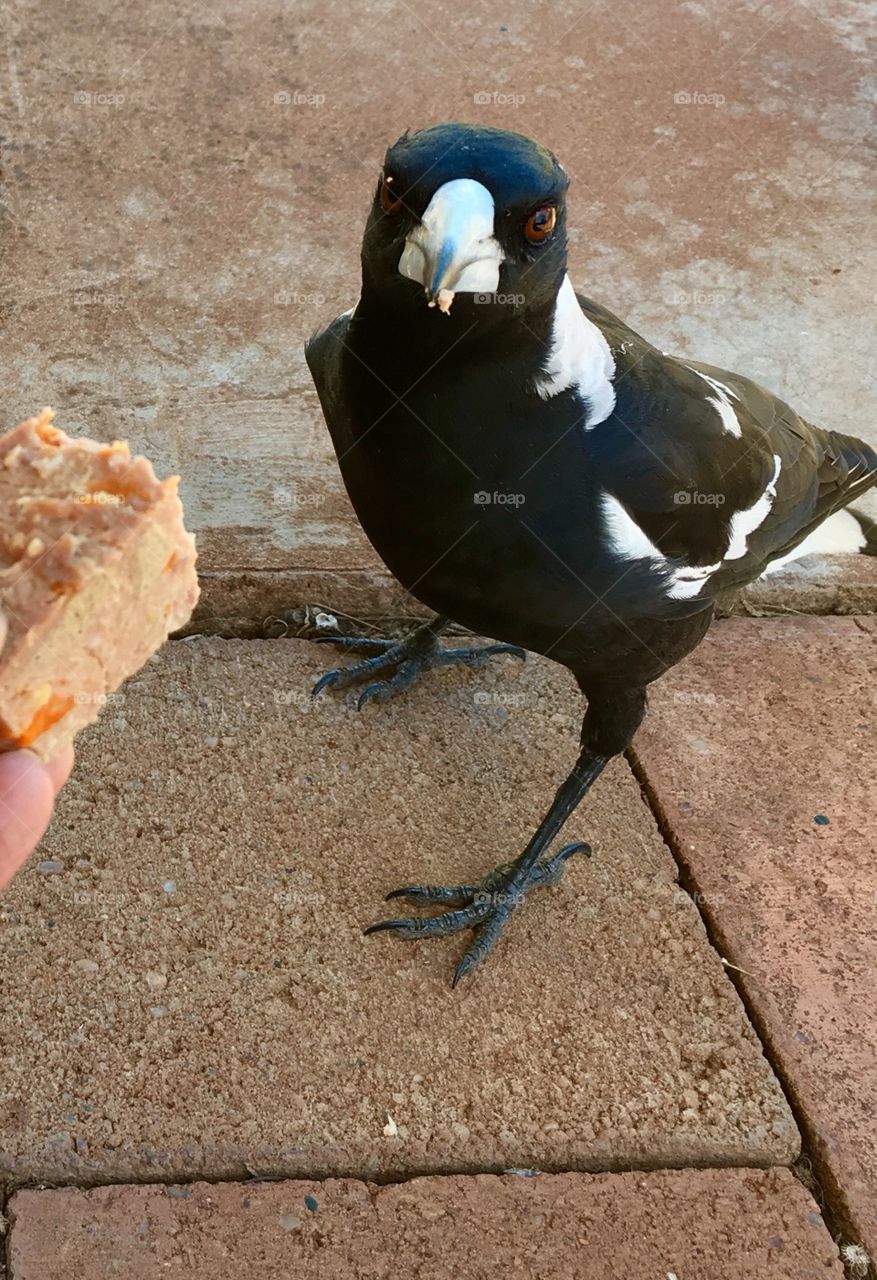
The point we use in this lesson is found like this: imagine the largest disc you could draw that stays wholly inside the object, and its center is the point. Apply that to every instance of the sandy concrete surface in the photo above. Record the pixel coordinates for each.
(761, 750)
(728, 1224)
(186, 989)
(185, 191)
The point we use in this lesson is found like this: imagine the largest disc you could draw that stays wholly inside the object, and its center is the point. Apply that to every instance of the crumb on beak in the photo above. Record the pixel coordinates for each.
(443, 300)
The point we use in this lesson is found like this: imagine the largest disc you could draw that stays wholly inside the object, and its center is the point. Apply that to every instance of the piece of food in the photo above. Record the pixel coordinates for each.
(96, 569)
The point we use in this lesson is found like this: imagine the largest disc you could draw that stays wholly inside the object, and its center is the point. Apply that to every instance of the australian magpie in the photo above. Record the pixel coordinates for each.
(529, 466)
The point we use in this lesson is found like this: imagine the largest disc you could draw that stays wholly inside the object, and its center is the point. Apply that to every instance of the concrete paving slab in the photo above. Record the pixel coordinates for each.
(185, 193)
(729, 1224)
(761, 751)
(186, 990)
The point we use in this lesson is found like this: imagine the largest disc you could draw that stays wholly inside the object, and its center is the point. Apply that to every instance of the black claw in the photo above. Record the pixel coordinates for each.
(515, 650)
(331, 677)
(383, 925)
(372, 693)
(455, 896)
(435, 926)
(578, 846)
(487, 936)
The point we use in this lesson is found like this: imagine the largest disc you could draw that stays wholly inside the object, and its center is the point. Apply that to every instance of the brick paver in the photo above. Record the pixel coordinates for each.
(763, 753)
(730, 1224)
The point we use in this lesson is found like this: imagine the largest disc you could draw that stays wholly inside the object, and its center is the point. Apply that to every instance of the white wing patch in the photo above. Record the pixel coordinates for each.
(686, 583)
(579, 357)
(743, 523)
(627, 541)
(721, 402)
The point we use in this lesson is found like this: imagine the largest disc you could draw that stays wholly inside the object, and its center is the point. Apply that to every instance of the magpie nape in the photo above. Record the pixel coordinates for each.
(529, 466)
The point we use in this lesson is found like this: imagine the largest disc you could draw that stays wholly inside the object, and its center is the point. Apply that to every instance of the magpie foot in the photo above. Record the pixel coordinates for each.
(403, 661)
(485, 907)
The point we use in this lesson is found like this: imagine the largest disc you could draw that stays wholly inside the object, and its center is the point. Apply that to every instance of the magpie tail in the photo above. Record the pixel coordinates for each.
(848, 470)
(853, 463)
(869, 531)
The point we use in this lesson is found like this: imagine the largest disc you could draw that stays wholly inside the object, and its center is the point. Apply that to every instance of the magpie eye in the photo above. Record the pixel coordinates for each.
(540, 224)
(390, 201)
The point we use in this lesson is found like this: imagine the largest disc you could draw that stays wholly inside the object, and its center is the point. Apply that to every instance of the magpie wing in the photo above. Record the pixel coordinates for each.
(721, 475)
(323, 353)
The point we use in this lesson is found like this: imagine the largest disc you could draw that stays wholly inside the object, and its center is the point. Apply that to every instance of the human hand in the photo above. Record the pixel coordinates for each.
(27, 798)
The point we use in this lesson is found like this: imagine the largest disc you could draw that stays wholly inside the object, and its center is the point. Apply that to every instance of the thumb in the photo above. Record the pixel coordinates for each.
(26, 799)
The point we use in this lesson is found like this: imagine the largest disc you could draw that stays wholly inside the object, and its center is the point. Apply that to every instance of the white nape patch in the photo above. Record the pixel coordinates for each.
(840, 534)
(721, 402)
(579, 357)
(453, 246)
(628, 541)
(743, 523)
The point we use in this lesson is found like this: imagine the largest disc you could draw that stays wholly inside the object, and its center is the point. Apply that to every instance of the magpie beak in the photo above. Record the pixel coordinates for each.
(453, 248)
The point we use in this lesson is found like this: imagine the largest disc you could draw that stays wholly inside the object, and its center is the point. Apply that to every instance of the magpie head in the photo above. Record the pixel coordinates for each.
(470, 217)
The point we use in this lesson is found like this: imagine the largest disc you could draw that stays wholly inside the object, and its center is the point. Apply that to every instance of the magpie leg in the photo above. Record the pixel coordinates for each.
(487, 906)
(399, 663)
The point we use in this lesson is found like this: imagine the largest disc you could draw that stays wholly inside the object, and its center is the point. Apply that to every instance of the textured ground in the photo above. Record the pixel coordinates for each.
(186, 988)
